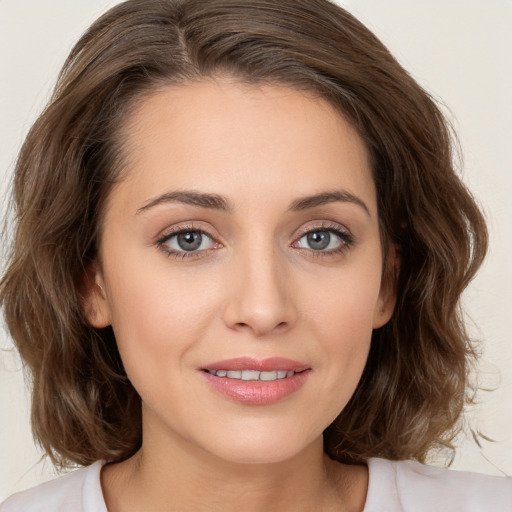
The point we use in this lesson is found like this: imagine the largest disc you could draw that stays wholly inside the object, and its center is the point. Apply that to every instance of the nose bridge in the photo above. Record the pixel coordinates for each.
(260, 297)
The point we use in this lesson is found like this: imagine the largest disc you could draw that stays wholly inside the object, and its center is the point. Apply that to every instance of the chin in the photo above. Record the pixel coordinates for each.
(263, 446)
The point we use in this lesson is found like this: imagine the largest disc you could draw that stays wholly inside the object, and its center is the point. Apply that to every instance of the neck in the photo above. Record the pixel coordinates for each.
(171, 476)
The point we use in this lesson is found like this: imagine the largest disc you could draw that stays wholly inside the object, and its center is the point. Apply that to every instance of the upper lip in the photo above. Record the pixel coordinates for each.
(268, 364)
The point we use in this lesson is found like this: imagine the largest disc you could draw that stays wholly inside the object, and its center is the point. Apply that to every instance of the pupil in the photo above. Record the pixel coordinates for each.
(190, 240)
(319, 239)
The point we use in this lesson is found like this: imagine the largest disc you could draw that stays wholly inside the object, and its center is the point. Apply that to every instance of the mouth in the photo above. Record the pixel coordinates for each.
(252, 366)
(252, 375)
(256, 382)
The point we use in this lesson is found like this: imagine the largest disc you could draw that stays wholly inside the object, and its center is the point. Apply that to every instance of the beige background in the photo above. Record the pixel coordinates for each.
(459, 50)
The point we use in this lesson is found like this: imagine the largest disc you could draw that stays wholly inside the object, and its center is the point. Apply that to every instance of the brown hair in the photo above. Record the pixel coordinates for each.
(414, 386)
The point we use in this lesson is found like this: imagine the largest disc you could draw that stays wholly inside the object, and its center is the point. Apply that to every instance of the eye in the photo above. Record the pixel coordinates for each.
(326, 240)
(186, 242)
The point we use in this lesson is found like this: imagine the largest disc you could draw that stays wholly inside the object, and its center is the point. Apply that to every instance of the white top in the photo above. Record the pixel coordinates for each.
(404, 486)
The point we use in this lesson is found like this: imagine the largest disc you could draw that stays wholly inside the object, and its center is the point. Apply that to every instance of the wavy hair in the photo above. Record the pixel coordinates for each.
(415, 384)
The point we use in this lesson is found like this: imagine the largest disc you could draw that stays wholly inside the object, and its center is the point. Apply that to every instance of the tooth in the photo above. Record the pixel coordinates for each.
(250, 375)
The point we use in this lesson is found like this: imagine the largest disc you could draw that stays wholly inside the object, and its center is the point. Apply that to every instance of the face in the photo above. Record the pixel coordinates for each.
(241, 267)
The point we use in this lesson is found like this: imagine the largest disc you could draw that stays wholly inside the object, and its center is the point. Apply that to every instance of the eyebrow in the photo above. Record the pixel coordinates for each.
(212, 201)
(218, 202)
(341, 196)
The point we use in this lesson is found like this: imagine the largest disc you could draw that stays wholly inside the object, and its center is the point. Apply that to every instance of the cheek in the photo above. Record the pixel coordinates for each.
(345, 307)
(157, 314)
(342, 319)
(158, 319)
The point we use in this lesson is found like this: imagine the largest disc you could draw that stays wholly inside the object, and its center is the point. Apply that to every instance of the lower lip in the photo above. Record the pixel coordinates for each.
(256, 392)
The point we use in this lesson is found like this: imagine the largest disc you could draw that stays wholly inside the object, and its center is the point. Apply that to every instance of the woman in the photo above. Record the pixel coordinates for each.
(239, 250)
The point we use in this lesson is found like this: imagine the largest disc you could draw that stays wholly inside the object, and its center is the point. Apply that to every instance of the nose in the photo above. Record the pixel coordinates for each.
(261, 297)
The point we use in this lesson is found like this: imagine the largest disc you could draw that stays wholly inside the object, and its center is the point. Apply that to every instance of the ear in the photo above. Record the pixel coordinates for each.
(94, 299)
(387, 294)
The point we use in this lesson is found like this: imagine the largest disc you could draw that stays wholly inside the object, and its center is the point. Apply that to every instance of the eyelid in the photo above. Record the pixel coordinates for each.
(344, 234)
(346, 237)
(175, 231)
(180, 228)
(325, 226)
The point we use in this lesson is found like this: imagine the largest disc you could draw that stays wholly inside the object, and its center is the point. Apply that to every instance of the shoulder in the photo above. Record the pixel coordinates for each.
(408, 486)
(78, 491)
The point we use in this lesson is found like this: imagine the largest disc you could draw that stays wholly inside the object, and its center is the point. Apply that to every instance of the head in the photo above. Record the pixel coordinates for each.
(79, 156)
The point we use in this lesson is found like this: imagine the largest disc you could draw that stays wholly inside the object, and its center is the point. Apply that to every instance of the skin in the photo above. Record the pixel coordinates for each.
(254, 288)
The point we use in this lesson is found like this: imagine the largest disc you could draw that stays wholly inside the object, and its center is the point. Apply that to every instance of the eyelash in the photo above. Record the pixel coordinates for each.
(346, 241)
(181, 255)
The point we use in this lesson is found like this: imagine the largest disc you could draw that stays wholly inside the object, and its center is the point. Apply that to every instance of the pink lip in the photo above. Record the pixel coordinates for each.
(257, 392)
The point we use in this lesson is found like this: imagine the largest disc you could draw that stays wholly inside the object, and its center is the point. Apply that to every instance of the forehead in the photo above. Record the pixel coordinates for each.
(224, 134)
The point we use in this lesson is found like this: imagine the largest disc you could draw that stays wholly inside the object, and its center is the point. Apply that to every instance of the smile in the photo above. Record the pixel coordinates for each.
(253, 374)
(254, 381)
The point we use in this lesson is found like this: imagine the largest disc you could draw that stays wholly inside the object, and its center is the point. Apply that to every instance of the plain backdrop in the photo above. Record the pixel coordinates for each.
(458, 50)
